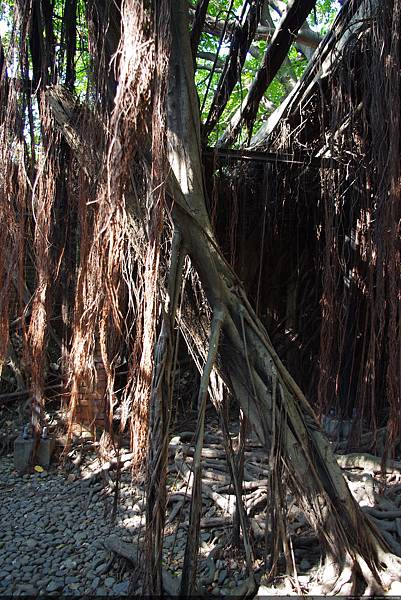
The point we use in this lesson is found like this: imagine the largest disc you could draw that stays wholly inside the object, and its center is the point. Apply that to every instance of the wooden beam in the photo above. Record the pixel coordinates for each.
(271, 157)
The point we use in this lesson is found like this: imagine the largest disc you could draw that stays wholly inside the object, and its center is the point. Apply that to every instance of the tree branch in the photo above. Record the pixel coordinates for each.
(240, 43)
(285, 34)
(197, 27)
(308, 37)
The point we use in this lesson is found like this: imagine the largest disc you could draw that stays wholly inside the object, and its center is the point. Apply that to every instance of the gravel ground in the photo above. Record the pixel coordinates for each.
(51, 531)
(53, 525)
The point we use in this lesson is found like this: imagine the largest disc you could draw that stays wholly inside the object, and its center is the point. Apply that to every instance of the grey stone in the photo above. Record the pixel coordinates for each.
(222, 576)
(109, 582)
(169, 539)
(54, 585)
(101, 591)
(8, 591)
(29, 568)
(95, 583)
(98, 560)
(45, 451)
(23, 589)
(69, 563)
(102, 568)
(121, 588)
(74, 586)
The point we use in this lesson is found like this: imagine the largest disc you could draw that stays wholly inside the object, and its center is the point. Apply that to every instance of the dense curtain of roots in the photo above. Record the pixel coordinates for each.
(318, 248)
(360, 334)
(73, 252)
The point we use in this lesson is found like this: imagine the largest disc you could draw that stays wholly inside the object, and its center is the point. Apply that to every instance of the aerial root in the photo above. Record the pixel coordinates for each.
(390, 565)
(338, 579)
(374, 585)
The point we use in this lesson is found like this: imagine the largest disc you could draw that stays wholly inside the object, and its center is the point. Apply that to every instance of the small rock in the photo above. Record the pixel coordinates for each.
(121, 588)
(102, 591)
(98, 560)
(109, 581)
(95, 583)
(222, 576)
(74, 586)
(54, 585)
(25, 589)
(102, 568)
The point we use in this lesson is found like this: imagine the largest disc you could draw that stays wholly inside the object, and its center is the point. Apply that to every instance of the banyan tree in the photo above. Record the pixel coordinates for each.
(134, 214)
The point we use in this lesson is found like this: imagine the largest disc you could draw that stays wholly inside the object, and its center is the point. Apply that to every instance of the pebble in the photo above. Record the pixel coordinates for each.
(95, 583)
(222, 576)
(102, 591)
(48, 532)
(121, 588)
(54, 585)
(25, 589)
(100, 569)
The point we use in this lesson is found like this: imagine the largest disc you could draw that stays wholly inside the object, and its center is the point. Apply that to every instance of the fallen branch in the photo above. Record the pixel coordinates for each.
(131, 552)
(381, 514)
(247, 485)
(211, 522)
(368, 462)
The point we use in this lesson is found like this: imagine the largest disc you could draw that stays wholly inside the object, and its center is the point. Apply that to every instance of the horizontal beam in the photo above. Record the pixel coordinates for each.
(271, 157)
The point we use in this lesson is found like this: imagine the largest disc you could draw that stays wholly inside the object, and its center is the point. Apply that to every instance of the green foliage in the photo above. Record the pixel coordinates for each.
(6, 22)
(290, 72)
(206, 81)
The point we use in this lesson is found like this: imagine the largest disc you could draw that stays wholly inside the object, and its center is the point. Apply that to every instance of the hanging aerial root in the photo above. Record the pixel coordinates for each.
(188, 579)
(159, 424)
